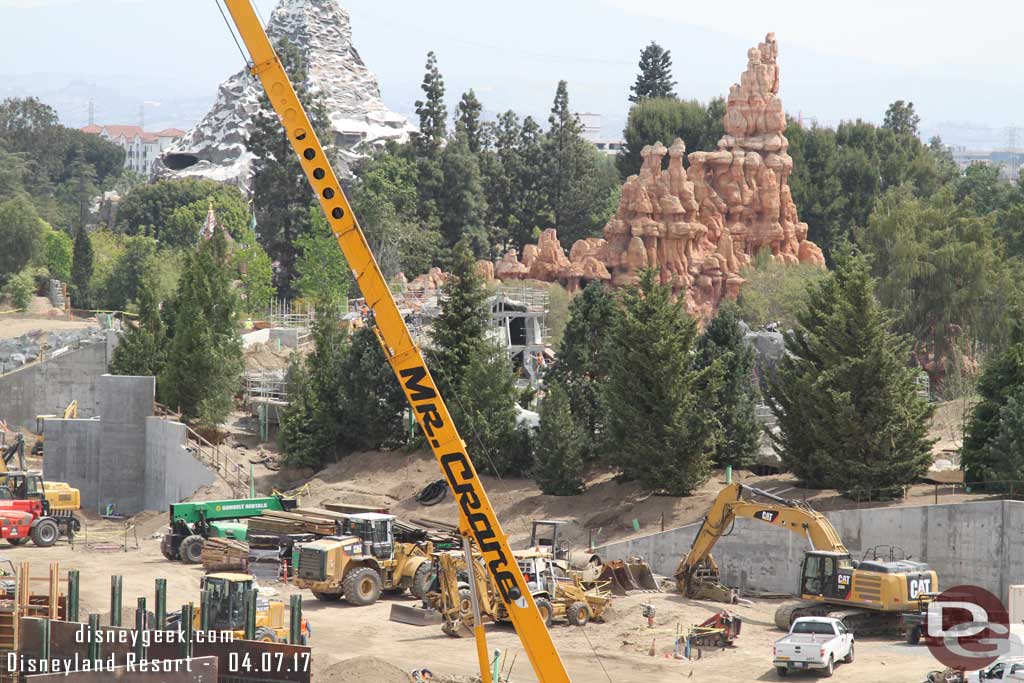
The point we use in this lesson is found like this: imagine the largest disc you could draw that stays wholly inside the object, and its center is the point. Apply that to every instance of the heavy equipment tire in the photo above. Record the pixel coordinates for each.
(362, 586)
(782, 671)
(45, 533)
(18, 541)
(547, 611)
(76, 524)
(421, 580)
(830, 668)
(167, 547)
(466, 607)
(191, 549)
(266, 635)
(913, 635)
(327, 597)
(578, 614)
(848, 659)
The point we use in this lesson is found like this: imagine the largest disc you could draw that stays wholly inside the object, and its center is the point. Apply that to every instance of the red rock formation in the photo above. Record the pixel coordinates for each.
(698, 226)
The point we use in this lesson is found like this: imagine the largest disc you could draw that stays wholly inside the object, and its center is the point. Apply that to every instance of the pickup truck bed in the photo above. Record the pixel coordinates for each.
(813, 643)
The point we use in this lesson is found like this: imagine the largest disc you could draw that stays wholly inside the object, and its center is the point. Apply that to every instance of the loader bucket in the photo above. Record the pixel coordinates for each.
(642, 575)
(417, 616)
(623, 576)
(608, 581)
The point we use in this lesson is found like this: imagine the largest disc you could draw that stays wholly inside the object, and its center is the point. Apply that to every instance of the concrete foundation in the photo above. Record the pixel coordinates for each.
(127, 457)
(288, 337)
(46, 388)
(967, 543)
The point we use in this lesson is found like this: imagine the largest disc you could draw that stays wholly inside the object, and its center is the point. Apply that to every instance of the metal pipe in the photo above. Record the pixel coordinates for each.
(140, 626)
(478, 625)
(186, 625)
(250, 614)
(73, 584)
(44, 639)
(94, 641)
(205, 607)
(295, 621)
(115, 600)
(161, 604)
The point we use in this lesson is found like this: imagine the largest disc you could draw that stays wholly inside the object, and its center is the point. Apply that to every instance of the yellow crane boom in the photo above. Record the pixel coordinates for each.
(476, 515)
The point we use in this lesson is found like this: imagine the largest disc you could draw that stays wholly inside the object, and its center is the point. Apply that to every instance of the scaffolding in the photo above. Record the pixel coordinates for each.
(285, 313)
(519, 316)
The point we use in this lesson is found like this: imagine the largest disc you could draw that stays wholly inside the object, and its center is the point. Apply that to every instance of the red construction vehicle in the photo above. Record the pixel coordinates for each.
(24, 519)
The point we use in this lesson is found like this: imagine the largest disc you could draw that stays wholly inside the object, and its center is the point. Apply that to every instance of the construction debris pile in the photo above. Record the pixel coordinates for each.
(29, 347)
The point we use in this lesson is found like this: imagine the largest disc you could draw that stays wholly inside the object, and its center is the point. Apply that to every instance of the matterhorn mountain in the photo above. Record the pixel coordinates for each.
(215, 148)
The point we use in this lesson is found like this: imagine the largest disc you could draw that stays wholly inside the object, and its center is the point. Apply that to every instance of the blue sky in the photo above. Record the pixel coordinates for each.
(960, 63)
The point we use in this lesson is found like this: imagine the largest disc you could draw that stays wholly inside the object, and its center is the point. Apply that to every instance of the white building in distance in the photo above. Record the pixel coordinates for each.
(141, 147)
(592, 134)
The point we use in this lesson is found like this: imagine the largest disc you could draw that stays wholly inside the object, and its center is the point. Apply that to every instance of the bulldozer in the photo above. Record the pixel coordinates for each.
(867, 595)
(363, 561)
(226, 602)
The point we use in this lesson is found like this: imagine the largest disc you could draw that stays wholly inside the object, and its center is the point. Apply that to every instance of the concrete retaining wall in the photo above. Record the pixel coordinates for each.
(976, 543)
(46, 388)
(127, 457)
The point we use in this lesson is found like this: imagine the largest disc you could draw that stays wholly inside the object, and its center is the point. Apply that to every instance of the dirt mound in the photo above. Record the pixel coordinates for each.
(364, 669)
(266, 358)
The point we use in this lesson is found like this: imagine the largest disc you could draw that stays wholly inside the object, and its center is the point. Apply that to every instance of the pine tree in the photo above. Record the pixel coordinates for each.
(204, 361)
(281, 194)
(372, 402)
(723, 343)
(300, 439)
(581, 366)
(845, 399)
(484, 411)
(655, 77)
(577, 181)
(661, 427)
(467, 120)
(81, 269)
(427, 144)
(559, 467)
(1002, 378)
(142, 349)
(462, 205)
(458, 332)
(1006, 451)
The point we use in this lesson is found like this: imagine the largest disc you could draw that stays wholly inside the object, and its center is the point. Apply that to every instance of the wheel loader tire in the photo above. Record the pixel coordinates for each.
(266, 635)
(327, 597)
(191, 549)
(18, 541)
(167, 547)
(421, 580)
(547, 611)
(45, 533)
(578, 614)
(466, 607)
(362, 586)
(76, 524)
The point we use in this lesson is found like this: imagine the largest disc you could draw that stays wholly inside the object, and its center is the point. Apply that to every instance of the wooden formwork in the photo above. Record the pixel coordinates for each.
(33, 596)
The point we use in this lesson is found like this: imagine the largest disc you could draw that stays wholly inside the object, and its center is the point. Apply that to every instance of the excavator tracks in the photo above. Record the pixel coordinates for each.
(861, 622)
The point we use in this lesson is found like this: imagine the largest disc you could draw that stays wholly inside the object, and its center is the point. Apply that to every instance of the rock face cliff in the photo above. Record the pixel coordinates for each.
(215, 147)
(698, 226)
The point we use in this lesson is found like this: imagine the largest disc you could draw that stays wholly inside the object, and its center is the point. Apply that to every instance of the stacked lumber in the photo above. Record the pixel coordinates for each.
(282, 523)
(224, 554)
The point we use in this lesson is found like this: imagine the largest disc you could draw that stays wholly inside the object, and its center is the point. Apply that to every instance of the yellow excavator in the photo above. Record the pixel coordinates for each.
(476, 515)
(867, 595)
(70, 413)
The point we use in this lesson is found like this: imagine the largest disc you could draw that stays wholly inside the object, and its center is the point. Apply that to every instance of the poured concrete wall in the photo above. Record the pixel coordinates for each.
(127, 457)
(172, 474)
(46, 388)
(976, 543)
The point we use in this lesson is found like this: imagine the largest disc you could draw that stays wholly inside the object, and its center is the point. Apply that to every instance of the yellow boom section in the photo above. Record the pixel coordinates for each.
(475, 512)
(786, 514)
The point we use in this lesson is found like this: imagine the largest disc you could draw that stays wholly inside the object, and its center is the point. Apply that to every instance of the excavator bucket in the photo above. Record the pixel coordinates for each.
(642, 575)
(618, 577)
(417, 616)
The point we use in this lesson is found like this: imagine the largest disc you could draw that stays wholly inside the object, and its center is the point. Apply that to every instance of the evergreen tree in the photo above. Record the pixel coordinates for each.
(462, 205)
(655, 77)
(661, 425)
(323, 275)
(1006, 451)
(458, 332)
(204, 361)
(22, 235)
(723, 343)
(484, 411)
(1001, 379)
(432, 111)
(142, 349)
(901, 118)
(581, 366)
(81, 269)
(578, 182)
(845, 399)
(372, 402)
(281, 193)
(300, 438)
(559, 467)
(530, 186)
(467, 121)
(663, 119)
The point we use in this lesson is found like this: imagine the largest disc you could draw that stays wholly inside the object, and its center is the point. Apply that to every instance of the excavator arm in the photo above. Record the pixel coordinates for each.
(697, 574)
(476, 516)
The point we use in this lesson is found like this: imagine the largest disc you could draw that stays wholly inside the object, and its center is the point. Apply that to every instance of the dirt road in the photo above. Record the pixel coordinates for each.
(616, 650)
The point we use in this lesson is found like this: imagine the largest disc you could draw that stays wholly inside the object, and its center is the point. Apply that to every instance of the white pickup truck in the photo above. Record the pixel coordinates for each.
(813, 643)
